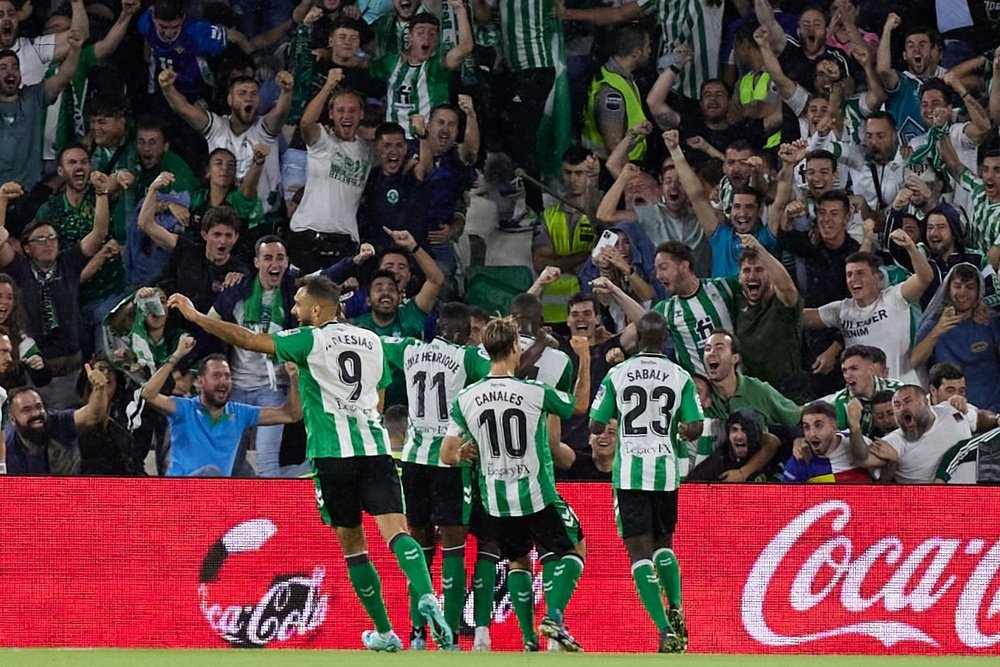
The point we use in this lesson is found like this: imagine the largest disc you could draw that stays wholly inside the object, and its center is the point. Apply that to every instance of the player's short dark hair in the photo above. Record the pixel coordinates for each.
(527, 303)
(320, 288)
(627, 38)
(454, 317)
(679, 251)
(820, 408)
(499, 336)
(861, 257)
(932, 34)
(263, 240)
(221, 215)
(944, 371)
(837, 196)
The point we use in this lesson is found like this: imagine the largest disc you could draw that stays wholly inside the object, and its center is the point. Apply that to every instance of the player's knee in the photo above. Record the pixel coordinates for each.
(352, 540)
(580, 549)
(453, 536)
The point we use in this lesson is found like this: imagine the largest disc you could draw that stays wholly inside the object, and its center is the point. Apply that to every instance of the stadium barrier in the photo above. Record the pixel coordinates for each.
(766, 569)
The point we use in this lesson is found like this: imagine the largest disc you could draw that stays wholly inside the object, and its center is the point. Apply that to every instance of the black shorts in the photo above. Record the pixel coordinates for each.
(554, 529)
(437, 496)
(481, 524)
(345, 486)
(645, 512)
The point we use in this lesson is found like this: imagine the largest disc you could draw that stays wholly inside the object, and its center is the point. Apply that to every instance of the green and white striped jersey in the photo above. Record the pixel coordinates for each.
(697, 23)
(411, 88)
(692, 319)
(840, 399)
(525, 33)
(553, 368)
(984, 218)
(341, 370)
(507, 419)
(650, 396)
(435, 373)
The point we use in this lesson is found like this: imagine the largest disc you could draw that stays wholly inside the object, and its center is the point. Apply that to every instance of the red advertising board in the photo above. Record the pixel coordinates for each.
(766, 569)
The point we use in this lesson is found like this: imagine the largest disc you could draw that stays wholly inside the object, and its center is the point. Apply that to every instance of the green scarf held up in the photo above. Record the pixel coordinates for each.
(256, 313)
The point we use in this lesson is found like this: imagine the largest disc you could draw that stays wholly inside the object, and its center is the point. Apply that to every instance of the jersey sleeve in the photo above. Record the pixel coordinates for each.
(457, 425)
(293, 344)
(393, 349)
(566, 381)
(602, 409)
(386, 378)
(477, 364)
(249, 415)
(830, 314)
(558, 402)
(690, 408)
(209, 38)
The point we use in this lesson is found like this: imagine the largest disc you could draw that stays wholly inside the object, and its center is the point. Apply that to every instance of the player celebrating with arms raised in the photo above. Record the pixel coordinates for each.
(342, 373)
(507, 419)
(655, 402)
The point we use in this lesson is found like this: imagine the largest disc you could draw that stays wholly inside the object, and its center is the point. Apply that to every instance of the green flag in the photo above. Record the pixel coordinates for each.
(555, 134)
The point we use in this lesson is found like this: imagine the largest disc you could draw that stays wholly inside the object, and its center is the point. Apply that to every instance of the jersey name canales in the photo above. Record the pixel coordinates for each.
(507, 419)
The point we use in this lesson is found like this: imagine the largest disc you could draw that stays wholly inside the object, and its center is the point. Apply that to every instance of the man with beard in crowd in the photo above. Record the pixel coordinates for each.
(768, 309)
(825, 455)
(44, 442)
(747, 205)
(742, 442)
(925, 433)
(922, 55)
(205, 430)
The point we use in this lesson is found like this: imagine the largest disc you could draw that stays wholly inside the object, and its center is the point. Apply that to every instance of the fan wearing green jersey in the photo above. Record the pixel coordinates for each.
(437, 495)
(342, 374)
(506, 419)
(656, 404)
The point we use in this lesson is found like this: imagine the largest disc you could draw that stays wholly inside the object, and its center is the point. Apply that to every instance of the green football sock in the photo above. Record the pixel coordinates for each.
(669, 572)
(484, 580)
(565, 576)
(412, 562)
(522, 598)
(648, 585)
(453, 584)
(368, 588)
(416, 618)
(549, 562)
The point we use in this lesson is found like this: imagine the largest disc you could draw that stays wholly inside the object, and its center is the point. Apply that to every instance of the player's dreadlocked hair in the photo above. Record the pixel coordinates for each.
(499, 336)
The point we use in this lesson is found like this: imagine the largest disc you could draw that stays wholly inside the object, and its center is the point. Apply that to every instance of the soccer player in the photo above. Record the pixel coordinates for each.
(437, 494)
(507, 420)
(656, 404)
(342, 371)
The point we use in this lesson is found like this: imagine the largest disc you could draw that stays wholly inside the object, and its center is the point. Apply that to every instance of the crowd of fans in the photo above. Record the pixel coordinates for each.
(809, 193)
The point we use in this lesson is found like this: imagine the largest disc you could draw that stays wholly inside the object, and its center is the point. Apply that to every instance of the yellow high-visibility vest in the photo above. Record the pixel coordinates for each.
(751, 91)
(634, 114)
(555, 298)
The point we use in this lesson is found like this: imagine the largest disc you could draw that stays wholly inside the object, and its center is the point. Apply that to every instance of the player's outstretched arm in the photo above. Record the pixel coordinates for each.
(227, 332)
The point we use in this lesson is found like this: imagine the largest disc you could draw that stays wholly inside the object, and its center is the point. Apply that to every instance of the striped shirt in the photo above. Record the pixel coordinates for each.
(840, 399)
(524, 33)
(507, 419)
(691, 319)
(984, 216)
(435, 373)
(697, 23)
(411, 89)
(651, 397)
(341, 370)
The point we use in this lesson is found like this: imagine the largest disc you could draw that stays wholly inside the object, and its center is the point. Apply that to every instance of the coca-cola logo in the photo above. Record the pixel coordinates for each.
(291, 605)
(877, 590)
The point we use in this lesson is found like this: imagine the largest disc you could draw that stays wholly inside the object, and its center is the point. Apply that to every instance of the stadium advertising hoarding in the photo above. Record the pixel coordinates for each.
(766, 569)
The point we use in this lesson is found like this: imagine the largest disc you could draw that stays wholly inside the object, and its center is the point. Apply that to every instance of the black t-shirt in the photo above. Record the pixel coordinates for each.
(398, 202)
(693, 125)
(802, 70)
(576, 430)
(193, 275)
(63, 290)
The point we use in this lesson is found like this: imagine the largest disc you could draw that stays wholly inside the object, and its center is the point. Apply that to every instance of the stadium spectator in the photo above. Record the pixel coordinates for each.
(205, 430)
(742, 441)
(40, 441)
(27, 363)
(826, 455)
(925, 433)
